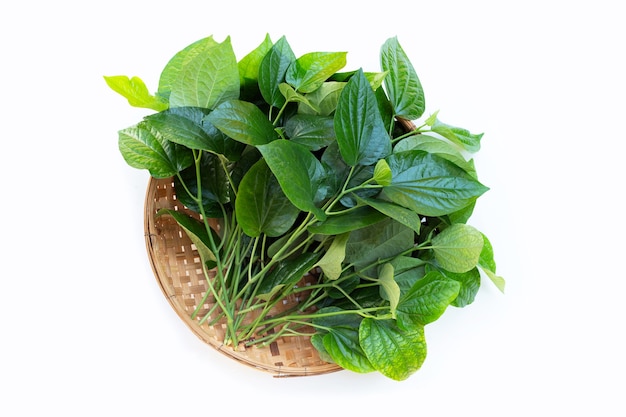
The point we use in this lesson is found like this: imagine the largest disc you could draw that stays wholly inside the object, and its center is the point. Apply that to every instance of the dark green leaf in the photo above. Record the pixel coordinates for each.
(314, 132)
(395, 353)
(360, 130)
(426, 301)
(286, 274)
(401, 214)
(470, 284)
(272, 72)
(402, 84)
(430, 185)
(261, 206)
(352, 220)
(244, 122)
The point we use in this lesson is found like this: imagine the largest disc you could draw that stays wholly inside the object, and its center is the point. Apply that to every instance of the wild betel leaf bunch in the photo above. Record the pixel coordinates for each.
(307, 168)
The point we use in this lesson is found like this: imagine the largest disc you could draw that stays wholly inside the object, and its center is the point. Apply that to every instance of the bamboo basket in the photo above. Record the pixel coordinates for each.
(178, 270)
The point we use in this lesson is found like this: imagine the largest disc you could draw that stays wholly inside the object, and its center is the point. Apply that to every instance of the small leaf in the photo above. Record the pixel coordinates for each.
(395, 353)
(292, 96)
(323, 101)
(487, 263)
(197, 233)
(389, 288)
(136, 92)
(462, 137)
(458, 247)
(272, 72)
(470, 284)
(249, 68)
(331, 262)
(286, 274)
(402, 84)
(310, 70)
(342, 223)
(401, 214)
(382, 173)
(244, 122)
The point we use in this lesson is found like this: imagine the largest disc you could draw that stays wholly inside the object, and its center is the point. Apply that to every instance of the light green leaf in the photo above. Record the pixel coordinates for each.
(462, 137)
(487, 264)
(292, 96)
(207, 79)
(395, 353)
(402, 84)
(331, 262)
(136, 92)
(389, 289)
(323, 100)
(249, 68)
(458, 247)
(298, 172)
(311, 70)
(361, 133)
(382, 172)
(244, 122)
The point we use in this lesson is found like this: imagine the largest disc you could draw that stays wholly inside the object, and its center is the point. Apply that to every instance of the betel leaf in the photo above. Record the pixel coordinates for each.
(207, 79)
(346, 222)
(462, 137)
(324, 99)
(426, 300)
(261, 206)
(401, 214)
(382, 173)
(214, 184)
(286, 274)
(249, 68)
(298, 173)
(243, 121)
(331, 262)
(458, 247)
(339, 334)
(389, 289)
(173, 68)
(292, 96)
(395, 353)
(314, 132)
(136, 92)
(197, 233)
(403, 85)
(272, 72)
(429, 184)
(469, 285)
(487, 263)
(143, 147)
(311, 70)
(360, 130)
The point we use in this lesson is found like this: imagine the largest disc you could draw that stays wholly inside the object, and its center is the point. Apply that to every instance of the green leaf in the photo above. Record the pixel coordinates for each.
(487, 263)
(340, 339)
(272, 72)
(342, 223)
(395, 353)
(286, 274)
(243, 121)
(470, 284)
(197, 233)
(323, 101)
(173, 68)
(360, 130)
(143, 147)
(462, 137)
(458, 247)
(389, 289)
(215, 187)
(429, 184)
(135, 91)
(382, 172)
(261, 206)
(292, 96)
(207, 79)
(310, 71)
(298, 172)
(331, 262)
(401, 214)
(426, 301)
(402, 84)
(249, 68)
(314, 132)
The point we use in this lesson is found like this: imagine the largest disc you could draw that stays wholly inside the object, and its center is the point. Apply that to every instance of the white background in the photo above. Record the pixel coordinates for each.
(85, 329)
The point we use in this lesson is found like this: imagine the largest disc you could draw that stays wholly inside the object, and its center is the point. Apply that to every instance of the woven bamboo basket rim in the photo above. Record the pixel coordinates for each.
(178, 271)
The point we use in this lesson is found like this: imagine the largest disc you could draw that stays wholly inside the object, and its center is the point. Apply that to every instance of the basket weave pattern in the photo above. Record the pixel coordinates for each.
(178, 270)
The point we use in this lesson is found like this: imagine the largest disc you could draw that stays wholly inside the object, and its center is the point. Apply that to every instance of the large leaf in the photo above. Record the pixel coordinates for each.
(340, 339)
(207, 79)
(298, 173)
(143, 147)
(243, 121)
(249, 69)
(426, 301)
(458, 247)
(430, 185)
(360, 130)
(395, 353)
(402, 83)
(314, 132)
(401, 214)
(136, 92)
(310, 71)
(272, 72)
(173, 68)
(261, 206)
